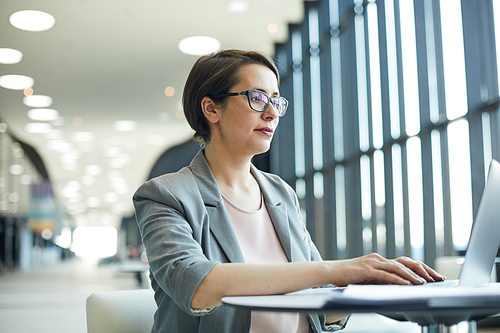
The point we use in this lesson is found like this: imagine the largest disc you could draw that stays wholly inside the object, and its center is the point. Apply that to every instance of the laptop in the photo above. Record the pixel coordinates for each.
(480, 256)
(485, 236)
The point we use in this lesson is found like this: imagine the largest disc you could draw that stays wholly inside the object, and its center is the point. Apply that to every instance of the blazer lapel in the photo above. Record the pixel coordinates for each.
(223, 231)
(280, 222)
(220, 225)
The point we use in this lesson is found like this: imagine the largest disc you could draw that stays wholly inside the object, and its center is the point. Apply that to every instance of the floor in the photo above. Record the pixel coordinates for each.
(52, 299)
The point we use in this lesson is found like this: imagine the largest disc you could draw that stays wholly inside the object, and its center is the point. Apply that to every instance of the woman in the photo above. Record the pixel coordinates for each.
(220, 227)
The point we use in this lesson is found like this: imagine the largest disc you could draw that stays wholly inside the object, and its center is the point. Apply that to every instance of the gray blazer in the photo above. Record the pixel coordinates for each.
(186, 231)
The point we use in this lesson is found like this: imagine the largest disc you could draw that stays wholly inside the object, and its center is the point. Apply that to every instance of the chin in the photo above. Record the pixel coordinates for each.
(263, 149)
(259, 147)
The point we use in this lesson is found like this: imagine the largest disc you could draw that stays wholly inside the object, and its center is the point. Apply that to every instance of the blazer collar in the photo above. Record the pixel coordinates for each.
(220, 224)
(210, 190)
(222, 228)
(205, 179)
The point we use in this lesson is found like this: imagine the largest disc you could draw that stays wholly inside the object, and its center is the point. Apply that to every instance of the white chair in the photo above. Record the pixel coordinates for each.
(121, 311)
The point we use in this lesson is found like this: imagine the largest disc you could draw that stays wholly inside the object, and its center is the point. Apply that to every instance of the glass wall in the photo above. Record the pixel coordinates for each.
(392, 124)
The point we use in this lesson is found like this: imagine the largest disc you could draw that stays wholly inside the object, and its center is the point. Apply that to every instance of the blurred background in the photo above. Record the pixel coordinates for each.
(90, 98)
(393, 122)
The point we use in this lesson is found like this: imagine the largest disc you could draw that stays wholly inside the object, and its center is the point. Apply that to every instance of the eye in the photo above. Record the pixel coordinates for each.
(258, 97)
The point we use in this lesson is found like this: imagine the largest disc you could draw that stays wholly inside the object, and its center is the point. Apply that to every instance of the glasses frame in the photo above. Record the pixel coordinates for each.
(249, 92)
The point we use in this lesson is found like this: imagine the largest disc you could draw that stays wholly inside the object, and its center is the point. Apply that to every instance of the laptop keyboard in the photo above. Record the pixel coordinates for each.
(440, 284)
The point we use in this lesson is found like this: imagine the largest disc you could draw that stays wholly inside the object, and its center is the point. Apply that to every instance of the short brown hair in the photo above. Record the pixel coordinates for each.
(214, 74)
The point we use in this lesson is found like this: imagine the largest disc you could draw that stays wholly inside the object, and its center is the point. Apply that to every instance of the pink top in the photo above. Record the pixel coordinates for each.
(260, 245)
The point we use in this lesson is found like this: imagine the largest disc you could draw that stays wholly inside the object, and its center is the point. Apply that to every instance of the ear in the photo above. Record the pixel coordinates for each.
(210, 110)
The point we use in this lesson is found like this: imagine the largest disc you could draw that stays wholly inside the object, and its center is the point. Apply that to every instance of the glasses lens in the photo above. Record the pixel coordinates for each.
(258, 100)
(280, 104)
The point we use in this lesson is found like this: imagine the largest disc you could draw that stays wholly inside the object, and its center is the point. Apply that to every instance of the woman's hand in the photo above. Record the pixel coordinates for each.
(375, 269)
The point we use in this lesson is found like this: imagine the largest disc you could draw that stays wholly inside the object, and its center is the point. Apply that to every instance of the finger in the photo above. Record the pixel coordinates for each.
(417, 267)
(399, 272)
(421, 269)
(385, 277)
(370, 269)
(406, 272)
(435, 275)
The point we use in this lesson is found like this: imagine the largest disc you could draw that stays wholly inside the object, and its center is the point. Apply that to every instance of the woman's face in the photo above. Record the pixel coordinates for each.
(241, 129)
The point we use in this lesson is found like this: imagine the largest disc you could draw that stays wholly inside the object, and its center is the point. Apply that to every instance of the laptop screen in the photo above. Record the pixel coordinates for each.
(485, 236)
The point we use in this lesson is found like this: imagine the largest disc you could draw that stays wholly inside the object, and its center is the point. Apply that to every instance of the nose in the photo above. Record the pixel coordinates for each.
(270, 113)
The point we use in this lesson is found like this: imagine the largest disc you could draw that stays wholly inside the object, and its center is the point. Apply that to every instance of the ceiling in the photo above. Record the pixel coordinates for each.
(111, 60)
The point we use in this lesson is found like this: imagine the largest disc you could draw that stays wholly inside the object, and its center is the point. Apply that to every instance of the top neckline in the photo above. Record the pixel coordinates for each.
(241, 209)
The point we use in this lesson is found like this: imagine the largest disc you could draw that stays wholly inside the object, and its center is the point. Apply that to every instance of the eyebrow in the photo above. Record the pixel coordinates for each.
(273, 94)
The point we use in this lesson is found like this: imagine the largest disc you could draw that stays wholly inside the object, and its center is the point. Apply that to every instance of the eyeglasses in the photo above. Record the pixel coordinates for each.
(259, 101)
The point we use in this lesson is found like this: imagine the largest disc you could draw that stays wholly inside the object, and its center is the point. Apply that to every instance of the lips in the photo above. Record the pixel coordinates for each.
(266, 130)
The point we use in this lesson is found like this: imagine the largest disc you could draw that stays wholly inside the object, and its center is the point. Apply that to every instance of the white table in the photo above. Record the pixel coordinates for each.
(435, 313)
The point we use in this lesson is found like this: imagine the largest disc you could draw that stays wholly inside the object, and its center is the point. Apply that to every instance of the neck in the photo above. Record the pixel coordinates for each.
(229, 169)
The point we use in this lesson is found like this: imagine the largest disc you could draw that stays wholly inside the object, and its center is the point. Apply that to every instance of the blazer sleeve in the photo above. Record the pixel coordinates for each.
(177, 261)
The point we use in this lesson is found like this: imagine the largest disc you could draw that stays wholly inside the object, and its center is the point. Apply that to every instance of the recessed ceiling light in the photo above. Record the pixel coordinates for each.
(25, 179)
(199, 45)
(16, 169)
(82, 136)
(38, 128)
(88, 180)
(54, 134)
(28, 91)
(37, 101)
(238, 6)
(77, 121)
(93, 202)
(74, 184)
(16, 82)
(70, 166)
(69, 157)
(10, 56)
(169, 91)
(93, 170)
(112, 151)
(43, 114)
(125, 125)
(69, 192)
(58, 145)
(111, 197)
(32, 20)
(272, 28)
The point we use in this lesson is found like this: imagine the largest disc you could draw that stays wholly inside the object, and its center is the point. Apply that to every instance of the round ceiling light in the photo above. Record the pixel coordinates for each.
(37, 101)
(16, 82)
(125, 125)
(82, 136)
(199, 45)
(43, 114)
(10, 56)
(238, 6)
(32, 20)
(93, 170)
